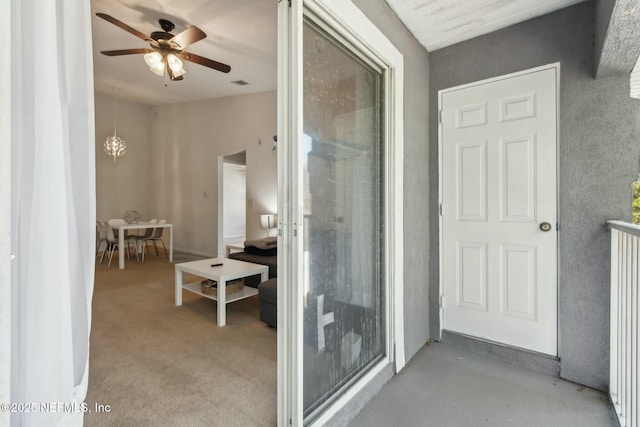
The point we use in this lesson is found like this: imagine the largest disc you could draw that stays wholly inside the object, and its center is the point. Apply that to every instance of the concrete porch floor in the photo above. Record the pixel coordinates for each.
(443, 386)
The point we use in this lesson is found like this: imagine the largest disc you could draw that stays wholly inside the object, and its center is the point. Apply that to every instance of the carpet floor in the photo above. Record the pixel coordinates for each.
(155, 364)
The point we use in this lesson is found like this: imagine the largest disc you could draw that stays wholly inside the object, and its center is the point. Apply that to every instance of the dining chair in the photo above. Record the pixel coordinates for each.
(112, 243)
(101, 237)
(157, 237)
(143, 239)
(128, 239)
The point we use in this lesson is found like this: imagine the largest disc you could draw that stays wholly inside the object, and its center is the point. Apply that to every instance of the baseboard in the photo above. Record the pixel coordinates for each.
(191, 252)
(527, 359)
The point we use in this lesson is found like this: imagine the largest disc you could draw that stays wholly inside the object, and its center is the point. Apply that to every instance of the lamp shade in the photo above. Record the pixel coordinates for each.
(176, 65)
(267, 221)
(155, 61)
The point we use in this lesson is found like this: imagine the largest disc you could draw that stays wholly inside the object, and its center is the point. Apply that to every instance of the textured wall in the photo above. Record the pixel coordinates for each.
(618, 52)
(604, 8)
(416, 178)
(598, 159)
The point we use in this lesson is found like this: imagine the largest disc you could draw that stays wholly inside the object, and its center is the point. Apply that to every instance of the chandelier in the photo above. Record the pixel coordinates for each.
(115, 146)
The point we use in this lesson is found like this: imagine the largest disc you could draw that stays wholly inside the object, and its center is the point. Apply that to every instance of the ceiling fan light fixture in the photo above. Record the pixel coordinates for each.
(153, 59)
(166, 50)
(158, 69)
(176, 65)
(155, 62)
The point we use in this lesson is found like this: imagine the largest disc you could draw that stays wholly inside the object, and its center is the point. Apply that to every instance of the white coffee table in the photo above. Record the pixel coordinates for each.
(230, 269)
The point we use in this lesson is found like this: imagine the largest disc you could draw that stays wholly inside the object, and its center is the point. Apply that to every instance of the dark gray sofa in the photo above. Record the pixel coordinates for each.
(268, 290)
(269, 261)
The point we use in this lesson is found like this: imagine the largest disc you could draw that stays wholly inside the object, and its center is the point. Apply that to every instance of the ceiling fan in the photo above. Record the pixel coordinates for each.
(166, 50)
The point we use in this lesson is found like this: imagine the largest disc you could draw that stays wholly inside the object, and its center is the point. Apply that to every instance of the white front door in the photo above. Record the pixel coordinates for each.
(499, 215)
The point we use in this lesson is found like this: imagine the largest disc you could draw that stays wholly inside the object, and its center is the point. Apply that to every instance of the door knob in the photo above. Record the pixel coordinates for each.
(545, 226)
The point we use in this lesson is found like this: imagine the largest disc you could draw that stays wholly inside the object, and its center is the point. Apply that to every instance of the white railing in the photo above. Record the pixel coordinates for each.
(625, 275)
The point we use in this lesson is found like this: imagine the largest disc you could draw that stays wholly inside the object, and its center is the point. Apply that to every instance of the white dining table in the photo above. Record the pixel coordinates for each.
(142, 225)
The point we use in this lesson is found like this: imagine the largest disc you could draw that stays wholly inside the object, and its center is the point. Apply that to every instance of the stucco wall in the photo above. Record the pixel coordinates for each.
(187, 139)
(598, 160)
(604, 8)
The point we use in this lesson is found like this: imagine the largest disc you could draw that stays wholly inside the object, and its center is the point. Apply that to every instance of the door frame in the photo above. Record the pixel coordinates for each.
(221, 244)
(555, 66)
(365, 37)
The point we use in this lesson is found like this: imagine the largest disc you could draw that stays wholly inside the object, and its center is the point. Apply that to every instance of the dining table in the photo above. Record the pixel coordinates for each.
(141, 225)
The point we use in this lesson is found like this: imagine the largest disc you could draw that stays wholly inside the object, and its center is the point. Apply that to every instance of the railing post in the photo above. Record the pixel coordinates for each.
(613, 316)
(625, 280)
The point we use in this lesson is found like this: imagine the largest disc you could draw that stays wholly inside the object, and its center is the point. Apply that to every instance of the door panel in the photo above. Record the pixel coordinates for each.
(499, 269)
(472, 275)
(518, 280)
(517, 179)
(471, 181)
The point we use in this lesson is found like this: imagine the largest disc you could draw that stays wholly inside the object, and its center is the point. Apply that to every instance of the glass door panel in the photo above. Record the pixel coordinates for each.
(343, 202)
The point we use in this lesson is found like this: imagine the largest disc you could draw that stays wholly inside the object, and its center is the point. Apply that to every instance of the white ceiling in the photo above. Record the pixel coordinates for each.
(440, 23)
(243, 34)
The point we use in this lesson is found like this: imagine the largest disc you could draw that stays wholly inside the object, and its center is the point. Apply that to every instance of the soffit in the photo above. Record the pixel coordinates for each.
(441, 23)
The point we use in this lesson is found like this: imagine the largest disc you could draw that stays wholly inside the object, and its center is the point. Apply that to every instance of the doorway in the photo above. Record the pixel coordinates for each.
(232, 201)
(498, 219)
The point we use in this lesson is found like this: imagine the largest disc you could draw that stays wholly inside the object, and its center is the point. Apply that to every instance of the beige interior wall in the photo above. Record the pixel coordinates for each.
(187, 140)
(170, 168)
(126, 184)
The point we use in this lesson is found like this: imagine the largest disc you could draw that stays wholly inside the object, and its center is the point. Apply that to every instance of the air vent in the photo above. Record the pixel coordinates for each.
(240, 82)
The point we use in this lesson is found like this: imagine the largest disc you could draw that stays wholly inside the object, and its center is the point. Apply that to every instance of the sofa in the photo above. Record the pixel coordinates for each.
(267, 290)
(269, 261)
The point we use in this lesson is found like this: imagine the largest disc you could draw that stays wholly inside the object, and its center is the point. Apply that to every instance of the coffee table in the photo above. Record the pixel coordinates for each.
(230, 269)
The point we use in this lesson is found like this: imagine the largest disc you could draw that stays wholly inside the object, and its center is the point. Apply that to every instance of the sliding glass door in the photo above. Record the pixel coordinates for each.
(340, 209)
(343, 208)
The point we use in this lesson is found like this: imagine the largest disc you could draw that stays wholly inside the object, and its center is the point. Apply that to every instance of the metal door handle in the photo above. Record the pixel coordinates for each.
(545, 226)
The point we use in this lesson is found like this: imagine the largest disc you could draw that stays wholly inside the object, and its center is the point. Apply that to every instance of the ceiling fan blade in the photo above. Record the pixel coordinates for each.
(124, 26)
(192, 57)
(188, 37)
(125, 52)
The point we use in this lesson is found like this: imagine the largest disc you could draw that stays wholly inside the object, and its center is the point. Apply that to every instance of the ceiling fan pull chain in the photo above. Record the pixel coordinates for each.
(166, 74)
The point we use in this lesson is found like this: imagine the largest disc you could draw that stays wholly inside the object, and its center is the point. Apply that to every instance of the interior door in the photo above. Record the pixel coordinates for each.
(499, 214)
(340, 207)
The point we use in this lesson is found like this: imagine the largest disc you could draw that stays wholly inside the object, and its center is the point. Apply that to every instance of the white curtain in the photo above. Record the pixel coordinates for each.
(53, 207)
